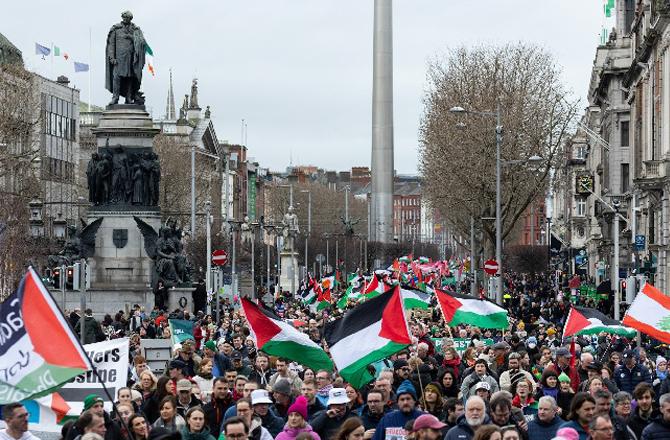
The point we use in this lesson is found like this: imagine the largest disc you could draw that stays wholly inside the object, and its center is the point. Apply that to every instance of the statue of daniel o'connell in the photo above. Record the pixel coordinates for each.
(124, 61)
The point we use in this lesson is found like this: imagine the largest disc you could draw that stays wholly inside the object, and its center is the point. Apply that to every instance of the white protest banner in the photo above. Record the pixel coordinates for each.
(110, 358)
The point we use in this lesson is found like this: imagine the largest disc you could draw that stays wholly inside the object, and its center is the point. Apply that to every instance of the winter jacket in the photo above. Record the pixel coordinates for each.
(463, 431)
(177, 424)
(472, 380)
(92, 330)
(370, 421)
(659, 429)
(539, 430)
(637, 422)
(326, 426)
(202, 435)
(214, 412)
(506, 380)
(113, 429)
(393, 421)
(627, 379)
(273, 423)
(583, 435)
(292, 433)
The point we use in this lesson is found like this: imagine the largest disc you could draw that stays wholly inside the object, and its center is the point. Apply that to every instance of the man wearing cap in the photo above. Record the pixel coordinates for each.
(239, 366)
(593, 370)
(260, 401)
(500, 350)
(483, 390)
(631, 373)
(94, 405)
(282, 394)
(393, 423)
(562, 365)
(427, 427)
(467, 424)
(176, 371)
(401, 372)
(327, 422)
(189, 358)
(185, 398)
(222, 399)
(479, 374)
(16, 420)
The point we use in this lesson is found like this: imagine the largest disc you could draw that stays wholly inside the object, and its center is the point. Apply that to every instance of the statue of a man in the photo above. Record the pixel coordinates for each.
(125, 61)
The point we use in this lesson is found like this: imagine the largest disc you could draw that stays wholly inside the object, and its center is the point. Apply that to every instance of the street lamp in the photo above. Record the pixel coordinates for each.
(309, 225)
(499, 163)
(208, 211)
(193, 151)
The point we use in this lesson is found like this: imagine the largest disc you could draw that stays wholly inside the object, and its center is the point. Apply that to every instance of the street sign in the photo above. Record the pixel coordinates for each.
(491, 267)
(640, 242)
(219, 257)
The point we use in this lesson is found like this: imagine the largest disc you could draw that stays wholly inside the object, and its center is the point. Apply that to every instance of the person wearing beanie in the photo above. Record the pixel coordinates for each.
(432, 401)
(94, 404)
(565, 393)
(297, 421)
(394, 422)
(281, 391)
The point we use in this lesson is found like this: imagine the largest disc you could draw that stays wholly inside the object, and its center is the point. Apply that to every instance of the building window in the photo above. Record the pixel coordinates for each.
(625, 177)
(580, 206)
(579, 152)
(625, 133)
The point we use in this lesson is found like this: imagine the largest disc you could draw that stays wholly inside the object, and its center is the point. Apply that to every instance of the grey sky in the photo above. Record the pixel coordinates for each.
(300, 71)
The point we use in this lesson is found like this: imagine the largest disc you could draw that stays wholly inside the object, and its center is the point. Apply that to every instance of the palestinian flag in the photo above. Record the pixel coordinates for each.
(354, 290)
(464, 309)
(375, 287)
(372, 331)
(585, 321)
(650, 313)
(37, 342)
(323, 300)
(278, 338)
(415, 299)
(311, 294)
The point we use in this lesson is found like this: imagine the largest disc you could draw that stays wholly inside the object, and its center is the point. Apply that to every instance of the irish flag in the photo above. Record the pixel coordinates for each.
(650, 313)
(368, 333)
(278, 338)
(39, 353)
(415, 299)
(464, 309)
(149, 54)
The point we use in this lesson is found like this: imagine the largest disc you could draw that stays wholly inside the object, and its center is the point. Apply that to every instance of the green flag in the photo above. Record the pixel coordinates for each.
(181, 330)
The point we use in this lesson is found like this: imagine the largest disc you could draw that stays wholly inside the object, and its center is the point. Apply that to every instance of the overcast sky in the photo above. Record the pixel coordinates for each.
(299, 71)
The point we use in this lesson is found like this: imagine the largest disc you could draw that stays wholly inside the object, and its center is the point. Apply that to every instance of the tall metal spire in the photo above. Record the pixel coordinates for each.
(381, 206)
(170, 112)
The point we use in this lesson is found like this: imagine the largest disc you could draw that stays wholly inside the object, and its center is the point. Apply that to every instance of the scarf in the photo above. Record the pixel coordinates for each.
(323, 392)
(454, 364)
(516, 401)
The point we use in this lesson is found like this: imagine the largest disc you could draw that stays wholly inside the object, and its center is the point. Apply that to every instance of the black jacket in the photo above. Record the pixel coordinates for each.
(659, 429)
(370, 421)
(113, 430)
(326, 426)
(92, 330)
(637, 423)
(214, 412)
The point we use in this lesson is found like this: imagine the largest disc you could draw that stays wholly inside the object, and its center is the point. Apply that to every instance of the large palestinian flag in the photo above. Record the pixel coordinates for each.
(585, 321)
(415, 299)
(650, 313)
(39, 352)
(278, 338)
(368, 333)
(465, 309)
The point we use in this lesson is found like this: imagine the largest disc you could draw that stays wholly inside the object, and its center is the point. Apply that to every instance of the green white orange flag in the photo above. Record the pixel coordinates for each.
(278, 338)
(369, 332)
(464, 309)
(650, 313)
(149, 54)
(39, 352)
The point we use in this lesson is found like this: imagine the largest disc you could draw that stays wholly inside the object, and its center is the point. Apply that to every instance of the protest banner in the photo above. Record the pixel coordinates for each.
(110, 358)
(460, 344)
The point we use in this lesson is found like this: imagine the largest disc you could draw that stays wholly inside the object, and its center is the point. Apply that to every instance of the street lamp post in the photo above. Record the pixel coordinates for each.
(208, 226)
(193, 151)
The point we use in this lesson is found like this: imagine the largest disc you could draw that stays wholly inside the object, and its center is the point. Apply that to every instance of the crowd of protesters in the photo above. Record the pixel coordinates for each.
(524, 383)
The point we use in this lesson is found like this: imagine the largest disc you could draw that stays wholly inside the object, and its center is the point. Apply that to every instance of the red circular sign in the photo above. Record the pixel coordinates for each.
(491, 267)
(219, 257)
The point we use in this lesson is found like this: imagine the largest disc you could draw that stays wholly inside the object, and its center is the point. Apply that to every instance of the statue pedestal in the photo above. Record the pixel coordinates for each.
(289, 271)
(127, 125)
(120, 260)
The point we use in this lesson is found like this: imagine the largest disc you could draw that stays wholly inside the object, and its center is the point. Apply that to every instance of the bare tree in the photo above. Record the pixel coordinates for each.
(458, 152)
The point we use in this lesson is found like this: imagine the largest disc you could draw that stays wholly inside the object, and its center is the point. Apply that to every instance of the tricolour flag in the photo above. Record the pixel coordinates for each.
(368, 333)
(464, 309)
(650, 313)
(585, 321)
(278, 338)
(415, 299)
(39, 353)
(150, 58)
(375, 287)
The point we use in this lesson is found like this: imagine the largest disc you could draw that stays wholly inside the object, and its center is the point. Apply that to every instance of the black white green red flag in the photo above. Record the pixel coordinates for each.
(278, 338)
(586, 321)
(465, 309)
(39, 352)
(371, 331)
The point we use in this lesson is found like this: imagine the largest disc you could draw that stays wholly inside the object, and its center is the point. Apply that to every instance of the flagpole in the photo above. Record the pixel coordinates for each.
(52, 62)
(89, 68)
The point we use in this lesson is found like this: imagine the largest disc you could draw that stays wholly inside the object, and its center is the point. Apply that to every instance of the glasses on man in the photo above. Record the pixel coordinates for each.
(240, 436)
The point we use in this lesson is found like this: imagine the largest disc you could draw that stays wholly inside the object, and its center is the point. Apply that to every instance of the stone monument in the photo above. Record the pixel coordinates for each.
(288, 277)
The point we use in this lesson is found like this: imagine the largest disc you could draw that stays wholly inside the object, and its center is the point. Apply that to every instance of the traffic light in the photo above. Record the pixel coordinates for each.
(69, 277)
(55, 274)
(76, 276)
(80, 272)
(631, 289)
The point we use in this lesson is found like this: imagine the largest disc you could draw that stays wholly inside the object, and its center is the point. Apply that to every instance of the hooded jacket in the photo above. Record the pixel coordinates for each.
(292, 433)
(539, 430)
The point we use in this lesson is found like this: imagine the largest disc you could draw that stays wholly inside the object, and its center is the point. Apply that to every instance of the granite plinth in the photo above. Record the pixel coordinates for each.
(127, 125)
(288, 277)
(120, 263)
(103, 301)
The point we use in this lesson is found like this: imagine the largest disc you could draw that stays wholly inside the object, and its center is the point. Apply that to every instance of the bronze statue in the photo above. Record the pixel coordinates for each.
(125, 61)
(166, 248)
(79, 244)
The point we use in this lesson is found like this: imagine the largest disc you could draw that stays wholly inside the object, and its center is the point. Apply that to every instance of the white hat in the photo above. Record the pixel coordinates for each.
(260, 396)
(337, 396)
(483, 386)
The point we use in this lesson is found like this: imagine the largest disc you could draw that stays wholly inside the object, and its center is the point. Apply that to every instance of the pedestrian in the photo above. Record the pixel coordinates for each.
(16, 416)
